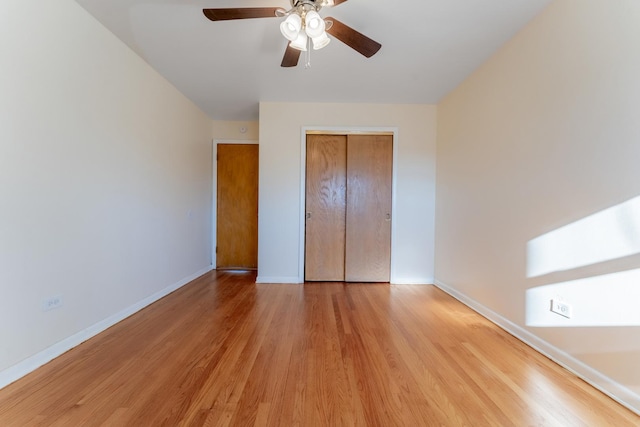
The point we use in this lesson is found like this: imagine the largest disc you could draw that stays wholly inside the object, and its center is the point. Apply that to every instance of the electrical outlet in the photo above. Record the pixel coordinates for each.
(51, 303)
(562, 308)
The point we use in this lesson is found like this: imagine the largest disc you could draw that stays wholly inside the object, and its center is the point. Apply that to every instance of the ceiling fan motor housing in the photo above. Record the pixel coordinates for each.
(316, 4)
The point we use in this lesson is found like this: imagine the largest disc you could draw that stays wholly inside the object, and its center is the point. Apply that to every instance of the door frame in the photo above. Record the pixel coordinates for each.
(214, 190)
(349, 130)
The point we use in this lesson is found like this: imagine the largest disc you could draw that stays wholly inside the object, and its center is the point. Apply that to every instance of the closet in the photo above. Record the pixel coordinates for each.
(348, 207)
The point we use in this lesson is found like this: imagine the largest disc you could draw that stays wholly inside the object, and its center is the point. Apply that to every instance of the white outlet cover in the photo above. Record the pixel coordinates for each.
(562, 308)
(51, 303)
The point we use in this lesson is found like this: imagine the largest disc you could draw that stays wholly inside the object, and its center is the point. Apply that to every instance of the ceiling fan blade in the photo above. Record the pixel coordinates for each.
(353, 39)
(291, 57)
(337, 2)
(226, 14)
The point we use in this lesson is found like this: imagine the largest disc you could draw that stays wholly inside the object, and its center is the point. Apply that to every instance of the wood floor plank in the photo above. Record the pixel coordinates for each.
(225, 351)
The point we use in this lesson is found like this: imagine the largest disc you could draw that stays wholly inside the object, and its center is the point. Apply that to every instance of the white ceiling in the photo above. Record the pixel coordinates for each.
(227, 67)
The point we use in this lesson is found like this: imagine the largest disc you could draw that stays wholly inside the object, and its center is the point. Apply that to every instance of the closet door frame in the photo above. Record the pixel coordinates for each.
(304, 131)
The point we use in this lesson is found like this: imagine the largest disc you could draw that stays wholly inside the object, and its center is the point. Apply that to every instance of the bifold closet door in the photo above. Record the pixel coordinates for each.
(325, 207)
(368, 223)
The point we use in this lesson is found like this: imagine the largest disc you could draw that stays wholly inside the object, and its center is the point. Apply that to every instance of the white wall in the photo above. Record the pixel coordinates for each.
(281, 126)
(536, 189)
(105, 181)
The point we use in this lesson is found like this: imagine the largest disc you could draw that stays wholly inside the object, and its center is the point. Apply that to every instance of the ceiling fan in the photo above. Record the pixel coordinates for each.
(303, 27)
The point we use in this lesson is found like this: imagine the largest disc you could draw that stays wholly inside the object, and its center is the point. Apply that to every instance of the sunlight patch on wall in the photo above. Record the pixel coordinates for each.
(600, 301)
(610, 234)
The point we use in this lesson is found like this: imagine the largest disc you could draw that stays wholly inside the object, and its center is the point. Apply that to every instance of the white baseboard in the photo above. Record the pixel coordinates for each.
(611, 388)
(32, 363)
(297, 280)
(277, 280)
(412, 281)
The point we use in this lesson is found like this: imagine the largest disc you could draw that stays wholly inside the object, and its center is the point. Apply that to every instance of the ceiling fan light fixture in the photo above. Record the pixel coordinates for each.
(290, 27)
(321, 41)
(314, 24)
(300, 42)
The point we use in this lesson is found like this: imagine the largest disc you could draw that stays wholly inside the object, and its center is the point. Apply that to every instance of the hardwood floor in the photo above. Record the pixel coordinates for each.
(225, 351)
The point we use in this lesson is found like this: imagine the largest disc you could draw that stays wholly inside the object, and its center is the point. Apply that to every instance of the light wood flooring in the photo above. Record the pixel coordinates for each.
(225, 351)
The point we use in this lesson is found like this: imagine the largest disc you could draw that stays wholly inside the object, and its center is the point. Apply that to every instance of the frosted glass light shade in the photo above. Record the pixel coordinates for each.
(290, 27)
(300, 42)
(321, 41)
(314, 24)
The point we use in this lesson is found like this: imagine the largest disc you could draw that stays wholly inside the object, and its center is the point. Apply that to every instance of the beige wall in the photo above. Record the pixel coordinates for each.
(105, 181)
(546, 135)
(235, 130)
(281, 126)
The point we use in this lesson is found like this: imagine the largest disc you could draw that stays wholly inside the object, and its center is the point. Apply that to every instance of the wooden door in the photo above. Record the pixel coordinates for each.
(369, 187)
(325, 207)
(237, 211)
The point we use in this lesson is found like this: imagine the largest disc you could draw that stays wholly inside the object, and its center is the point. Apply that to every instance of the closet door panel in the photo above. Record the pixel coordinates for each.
(368, 223)
(325, 207)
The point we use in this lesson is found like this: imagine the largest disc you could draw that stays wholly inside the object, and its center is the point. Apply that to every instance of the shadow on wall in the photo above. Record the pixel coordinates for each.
(592, 266)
